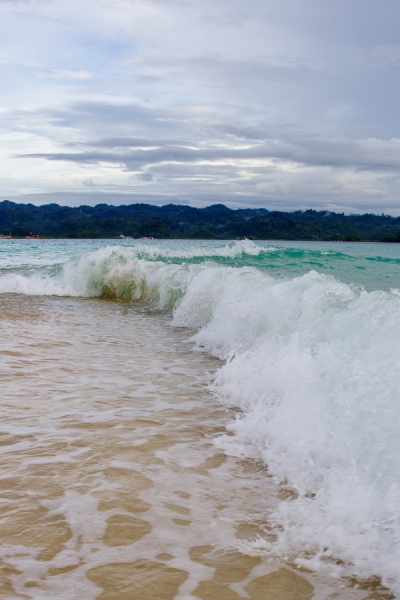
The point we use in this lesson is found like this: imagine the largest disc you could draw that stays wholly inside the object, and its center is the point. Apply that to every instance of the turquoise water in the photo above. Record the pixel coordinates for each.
(308, 335)
(372, 265)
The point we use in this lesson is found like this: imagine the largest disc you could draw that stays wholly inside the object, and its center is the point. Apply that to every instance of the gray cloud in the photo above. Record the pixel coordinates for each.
(374, 155)
(281, 104)
(134, 143)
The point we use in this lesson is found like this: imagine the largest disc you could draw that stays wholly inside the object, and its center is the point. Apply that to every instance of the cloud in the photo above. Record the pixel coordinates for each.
(134, 143)
(283, 103)
(259, 149)
(67, 74)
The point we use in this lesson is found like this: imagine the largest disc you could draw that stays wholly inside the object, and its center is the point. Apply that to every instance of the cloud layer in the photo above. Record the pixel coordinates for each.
(283, 104)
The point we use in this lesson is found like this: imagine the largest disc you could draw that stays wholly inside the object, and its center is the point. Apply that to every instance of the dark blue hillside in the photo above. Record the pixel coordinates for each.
(180, 221)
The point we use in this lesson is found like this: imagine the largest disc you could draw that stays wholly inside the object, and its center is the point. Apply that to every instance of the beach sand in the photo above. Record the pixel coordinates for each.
(112, 485)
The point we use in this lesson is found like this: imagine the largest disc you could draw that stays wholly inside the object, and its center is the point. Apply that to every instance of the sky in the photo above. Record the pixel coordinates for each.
(285, 105)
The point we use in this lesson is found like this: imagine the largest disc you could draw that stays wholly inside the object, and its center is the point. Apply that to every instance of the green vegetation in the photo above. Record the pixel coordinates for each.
(186, 222)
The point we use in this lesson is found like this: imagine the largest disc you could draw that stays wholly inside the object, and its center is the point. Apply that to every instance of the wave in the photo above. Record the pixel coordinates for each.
(203, 250)
(313, 365)
(141, 273)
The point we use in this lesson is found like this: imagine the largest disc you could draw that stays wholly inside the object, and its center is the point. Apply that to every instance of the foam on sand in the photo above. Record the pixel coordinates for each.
(312, 363)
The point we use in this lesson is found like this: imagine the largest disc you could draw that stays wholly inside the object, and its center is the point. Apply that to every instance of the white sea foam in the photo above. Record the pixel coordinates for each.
(201, 250)
(313, 364)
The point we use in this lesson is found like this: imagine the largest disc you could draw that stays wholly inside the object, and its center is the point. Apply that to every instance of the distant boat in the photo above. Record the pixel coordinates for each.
(6, 237)
(33, 237)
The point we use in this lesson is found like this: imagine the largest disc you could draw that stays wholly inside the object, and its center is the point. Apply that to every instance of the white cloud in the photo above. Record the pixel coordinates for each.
(67, 74)
(278, 102)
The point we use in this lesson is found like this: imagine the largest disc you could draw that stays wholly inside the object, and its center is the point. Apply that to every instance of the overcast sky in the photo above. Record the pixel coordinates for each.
(284, 104)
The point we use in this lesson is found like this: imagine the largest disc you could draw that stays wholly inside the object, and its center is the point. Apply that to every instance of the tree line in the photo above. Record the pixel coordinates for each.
(186, 222)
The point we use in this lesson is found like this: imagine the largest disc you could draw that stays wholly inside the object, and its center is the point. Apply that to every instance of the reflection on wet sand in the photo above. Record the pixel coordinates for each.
(110, 484)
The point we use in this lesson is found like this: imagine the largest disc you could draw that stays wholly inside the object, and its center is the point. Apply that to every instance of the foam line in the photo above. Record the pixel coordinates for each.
(314, 366)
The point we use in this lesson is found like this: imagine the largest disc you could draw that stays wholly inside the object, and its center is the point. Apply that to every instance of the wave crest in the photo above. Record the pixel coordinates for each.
(312, 363)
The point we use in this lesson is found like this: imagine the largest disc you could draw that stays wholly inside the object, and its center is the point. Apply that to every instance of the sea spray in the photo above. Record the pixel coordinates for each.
(312, 363)
(314, 368)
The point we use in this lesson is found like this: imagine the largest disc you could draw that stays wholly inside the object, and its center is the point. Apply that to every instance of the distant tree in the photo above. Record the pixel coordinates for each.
(202, 233)
(156, 228)
(82, 234)
(20, 231)
(392, 238)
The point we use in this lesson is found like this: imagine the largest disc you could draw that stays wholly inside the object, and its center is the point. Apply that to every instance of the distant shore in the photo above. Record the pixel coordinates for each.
(173, 221)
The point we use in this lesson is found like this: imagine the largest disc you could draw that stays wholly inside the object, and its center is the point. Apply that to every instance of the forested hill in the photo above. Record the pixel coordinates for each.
(180, 221)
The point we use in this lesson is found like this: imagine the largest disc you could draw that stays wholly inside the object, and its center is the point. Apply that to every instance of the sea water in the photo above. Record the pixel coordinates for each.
(199, 420)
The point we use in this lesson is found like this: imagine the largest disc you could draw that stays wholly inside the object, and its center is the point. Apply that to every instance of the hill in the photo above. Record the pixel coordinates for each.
(186, 222)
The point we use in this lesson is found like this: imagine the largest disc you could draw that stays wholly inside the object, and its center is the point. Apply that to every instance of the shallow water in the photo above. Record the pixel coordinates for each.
(125, 476)
(372, 265)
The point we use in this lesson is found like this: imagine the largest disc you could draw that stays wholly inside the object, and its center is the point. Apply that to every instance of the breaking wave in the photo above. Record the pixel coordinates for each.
(314, 365)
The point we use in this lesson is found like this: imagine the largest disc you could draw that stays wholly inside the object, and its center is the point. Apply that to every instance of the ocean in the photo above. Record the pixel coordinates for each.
(199, 419)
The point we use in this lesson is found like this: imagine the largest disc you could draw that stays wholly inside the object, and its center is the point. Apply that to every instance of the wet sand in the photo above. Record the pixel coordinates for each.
(111, 484)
